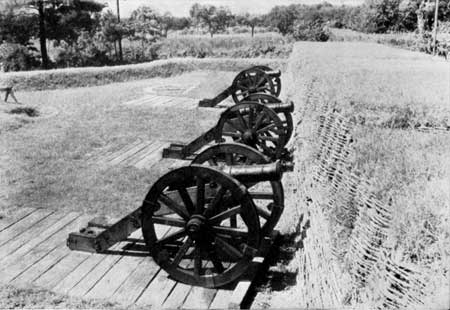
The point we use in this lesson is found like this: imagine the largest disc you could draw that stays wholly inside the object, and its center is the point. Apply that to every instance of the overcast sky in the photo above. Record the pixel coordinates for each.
(181, 7)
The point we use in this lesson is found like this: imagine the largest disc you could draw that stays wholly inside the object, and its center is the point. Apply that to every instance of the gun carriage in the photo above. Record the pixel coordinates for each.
(257, 79)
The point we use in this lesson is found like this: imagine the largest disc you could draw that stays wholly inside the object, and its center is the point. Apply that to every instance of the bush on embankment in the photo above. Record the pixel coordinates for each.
(82, 77)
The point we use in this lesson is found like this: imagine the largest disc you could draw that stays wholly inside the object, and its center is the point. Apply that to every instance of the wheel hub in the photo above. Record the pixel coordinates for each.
(249, 137)
(195, 227)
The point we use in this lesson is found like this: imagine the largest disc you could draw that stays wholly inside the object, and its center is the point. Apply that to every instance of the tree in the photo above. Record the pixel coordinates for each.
(146, 24)
(113, 31)
(57, 19)
(249, 20)
(282, 18)
(214, 18)
(17, 28)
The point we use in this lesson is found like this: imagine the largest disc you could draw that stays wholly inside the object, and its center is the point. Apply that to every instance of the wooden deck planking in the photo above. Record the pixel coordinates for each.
(115, 277)
(6, 221)
(132, 160)
(118, 274)
(164, 101)
(56, 273)
(105, 263)
(77, 274)
(177, 296)
(34, 242)
(23, 224)
(18, 264)
(150, 160)
(129, 152)
(48, 261)
(156, 292)
(108, 154)
(140, 100)
(221, 299)
(35, 230)
(199, 298)
(125, 278)
(132, 288)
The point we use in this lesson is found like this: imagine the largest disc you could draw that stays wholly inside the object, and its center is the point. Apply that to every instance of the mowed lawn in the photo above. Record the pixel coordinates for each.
(45, 160)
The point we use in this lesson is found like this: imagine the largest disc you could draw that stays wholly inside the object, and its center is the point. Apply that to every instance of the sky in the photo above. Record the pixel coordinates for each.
(181, 7)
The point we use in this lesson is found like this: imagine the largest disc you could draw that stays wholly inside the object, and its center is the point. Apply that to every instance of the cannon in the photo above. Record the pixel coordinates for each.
(257, 79)
(202, 223)
(251, 123)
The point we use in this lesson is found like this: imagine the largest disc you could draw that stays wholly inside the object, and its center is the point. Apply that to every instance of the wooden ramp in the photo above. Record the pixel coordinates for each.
(33, 251)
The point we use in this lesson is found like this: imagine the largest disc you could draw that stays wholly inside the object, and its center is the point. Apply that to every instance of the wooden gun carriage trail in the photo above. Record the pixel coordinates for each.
(201, 236)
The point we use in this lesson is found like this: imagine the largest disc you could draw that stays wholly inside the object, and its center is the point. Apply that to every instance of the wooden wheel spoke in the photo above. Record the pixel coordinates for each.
(216, 261)
(229, 159)
(186, 200)
(228, 248)
(259, 119)
(278, 131)
(268, 138)
(261, 88)
(197, 262)
(182, 251)
(224, 215)
(200, 195)
(251, 118)
(230, 231)
(267, 128)
(260, 82)
(169, 202)
(241, 120)
(170, 221)
(215, 202)
(263, 213)
(172, 237)
(266, 149)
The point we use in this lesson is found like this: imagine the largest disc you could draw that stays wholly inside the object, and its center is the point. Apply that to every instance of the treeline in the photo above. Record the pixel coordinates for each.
(84, 33)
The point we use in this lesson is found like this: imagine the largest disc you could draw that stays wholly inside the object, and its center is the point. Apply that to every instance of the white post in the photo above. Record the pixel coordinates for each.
(435, 26)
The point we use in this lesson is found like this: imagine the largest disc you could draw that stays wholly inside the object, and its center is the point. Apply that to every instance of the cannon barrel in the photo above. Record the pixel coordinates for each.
(278, 107)
(258, 173)
(274, 73)
(281, 107)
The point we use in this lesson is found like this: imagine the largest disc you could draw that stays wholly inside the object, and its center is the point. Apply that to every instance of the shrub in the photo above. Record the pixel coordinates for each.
(310, 31)
(89, 50)
(16, 57)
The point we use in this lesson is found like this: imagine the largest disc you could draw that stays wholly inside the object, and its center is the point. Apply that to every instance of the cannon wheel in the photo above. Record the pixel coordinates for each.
(200, 247)
(249, 81)
(286, 117)
(275, 80)
(253, 124)
(267, 196)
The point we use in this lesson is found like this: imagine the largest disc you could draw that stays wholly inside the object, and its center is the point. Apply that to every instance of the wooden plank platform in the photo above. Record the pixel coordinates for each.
(157, 101)
(34, 252)
(138, 153)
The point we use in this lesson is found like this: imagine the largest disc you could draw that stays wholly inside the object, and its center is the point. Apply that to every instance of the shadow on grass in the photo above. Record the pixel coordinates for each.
(31, 112)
